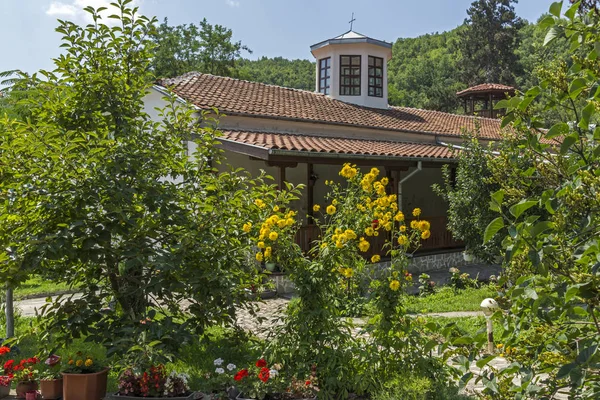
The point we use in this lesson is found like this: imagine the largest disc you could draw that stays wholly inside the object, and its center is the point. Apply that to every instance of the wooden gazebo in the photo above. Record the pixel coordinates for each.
(480, 100)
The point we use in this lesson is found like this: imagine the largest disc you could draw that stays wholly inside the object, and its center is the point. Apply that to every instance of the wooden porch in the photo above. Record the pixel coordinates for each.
(440, 239)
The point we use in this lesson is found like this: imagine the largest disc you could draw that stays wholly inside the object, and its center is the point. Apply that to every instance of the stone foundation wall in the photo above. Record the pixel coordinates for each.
(436, 262)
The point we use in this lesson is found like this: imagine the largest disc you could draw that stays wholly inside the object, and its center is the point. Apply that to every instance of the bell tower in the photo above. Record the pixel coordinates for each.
(353, 68)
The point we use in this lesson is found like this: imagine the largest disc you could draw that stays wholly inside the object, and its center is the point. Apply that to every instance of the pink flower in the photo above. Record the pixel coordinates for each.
(52, 360)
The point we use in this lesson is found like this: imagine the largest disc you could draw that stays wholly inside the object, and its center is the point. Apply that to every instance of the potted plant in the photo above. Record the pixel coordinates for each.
(153, 382)
(24, 373)
(257, 381)
(219, 383)
(5, 380)
(51, 381)
(84, 379)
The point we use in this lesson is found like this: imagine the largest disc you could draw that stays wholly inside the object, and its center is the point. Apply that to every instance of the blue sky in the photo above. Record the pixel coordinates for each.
(269, 27)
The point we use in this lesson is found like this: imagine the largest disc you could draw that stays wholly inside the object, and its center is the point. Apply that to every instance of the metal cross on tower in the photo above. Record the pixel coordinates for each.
(352, 21)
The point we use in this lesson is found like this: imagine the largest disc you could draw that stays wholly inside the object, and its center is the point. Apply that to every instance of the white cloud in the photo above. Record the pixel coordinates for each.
(73, 9)
(232, 3)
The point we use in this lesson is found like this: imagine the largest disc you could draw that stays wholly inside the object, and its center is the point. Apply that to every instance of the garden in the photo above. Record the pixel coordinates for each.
(165, 252)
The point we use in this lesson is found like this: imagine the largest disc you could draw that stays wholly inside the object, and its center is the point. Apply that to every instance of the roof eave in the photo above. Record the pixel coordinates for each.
(350, 41)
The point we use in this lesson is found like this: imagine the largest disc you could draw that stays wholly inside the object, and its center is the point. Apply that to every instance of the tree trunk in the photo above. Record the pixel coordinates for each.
(10, 313)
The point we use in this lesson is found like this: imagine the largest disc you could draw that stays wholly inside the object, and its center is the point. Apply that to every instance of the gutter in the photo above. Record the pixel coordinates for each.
(407, 177)
(438, 141)
(278, 152)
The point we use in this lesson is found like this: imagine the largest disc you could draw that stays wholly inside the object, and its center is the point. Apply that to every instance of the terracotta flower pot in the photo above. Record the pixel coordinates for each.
(51, 388)
(4, 391)
(85, 386)
(24, 387)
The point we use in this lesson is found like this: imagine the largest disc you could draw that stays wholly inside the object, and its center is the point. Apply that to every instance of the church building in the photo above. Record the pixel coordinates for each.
(305, 137)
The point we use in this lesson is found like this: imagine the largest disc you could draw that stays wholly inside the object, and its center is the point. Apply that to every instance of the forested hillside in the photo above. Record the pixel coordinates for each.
(298, 74)
(424, 72)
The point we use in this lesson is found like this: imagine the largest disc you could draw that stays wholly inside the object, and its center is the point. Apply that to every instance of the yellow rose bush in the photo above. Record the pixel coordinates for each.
(344, 260)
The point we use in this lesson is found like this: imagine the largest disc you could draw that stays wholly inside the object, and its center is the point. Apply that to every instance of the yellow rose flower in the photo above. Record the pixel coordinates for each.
(374, 172)
(425, 235)
(330, 209)
(387, 226)
(339, 244)
(260, 245)
(247, 226)
(369, 231)
(79, 363)
(402, 240)
(89, 362)
(402, 228)
(385, 181)
(350, 234)
(376, 258)
(416, 212)
(259, 256)
(424, 225)
(276, 208)
(268, 252)
(375, 233)
(323, 245)
(414, 224)
(394, 285)
(282, 223)
(363, 245)
(290, 221)
(259, 203)
(273, 236)
(334, 202)
(399, 216)
(316, 208)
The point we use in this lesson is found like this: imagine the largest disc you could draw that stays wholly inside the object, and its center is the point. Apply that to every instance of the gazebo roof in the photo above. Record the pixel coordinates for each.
(486, 88)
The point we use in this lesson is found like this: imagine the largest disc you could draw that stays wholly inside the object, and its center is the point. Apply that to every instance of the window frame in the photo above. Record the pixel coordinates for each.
(351, 76)
(326, 90)
(374, 76)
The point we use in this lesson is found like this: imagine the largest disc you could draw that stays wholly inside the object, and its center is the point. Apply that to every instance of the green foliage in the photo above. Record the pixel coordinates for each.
(96, 194)
(467, 193)
(297, 74)
(552, 328)
(447, 299)
(204, 48)
(423, 72)
(488, 43)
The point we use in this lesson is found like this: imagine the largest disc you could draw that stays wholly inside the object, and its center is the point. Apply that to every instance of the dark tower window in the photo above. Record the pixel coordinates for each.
(375, 76)
(324, 75)
(350, 75)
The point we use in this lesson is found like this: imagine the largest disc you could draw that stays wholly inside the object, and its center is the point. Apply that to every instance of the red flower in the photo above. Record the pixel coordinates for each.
(241, 374)
(375, 224)
(261, 363)
(8, 366)
(264, 374)
(307, 383)
(4, 350)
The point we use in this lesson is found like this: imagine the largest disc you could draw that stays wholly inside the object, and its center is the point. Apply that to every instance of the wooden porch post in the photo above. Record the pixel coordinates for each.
(309, 190)
(281, 177)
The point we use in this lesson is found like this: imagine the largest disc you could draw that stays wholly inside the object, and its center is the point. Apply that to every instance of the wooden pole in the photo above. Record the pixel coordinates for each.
(310, 192)
(281, 182)
(10, 313)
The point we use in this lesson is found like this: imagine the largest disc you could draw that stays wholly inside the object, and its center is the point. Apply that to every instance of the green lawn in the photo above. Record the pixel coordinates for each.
(39, 287)
(447, 299)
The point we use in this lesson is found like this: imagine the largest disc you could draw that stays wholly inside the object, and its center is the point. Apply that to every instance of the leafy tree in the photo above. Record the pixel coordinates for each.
(204, 48)
(488, 42)
(423, 72)
(96, 194)
(297, 74)
(467, 192)
(552, 332)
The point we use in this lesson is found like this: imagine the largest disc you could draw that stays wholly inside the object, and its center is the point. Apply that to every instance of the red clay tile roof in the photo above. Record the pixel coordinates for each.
(334, 145)
(234, 96)
(486, 87)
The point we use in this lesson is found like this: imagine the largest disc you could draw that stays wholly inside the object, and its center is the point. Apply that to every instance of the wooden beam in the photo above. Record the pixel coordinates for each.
(252, 151)
(285, 164)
